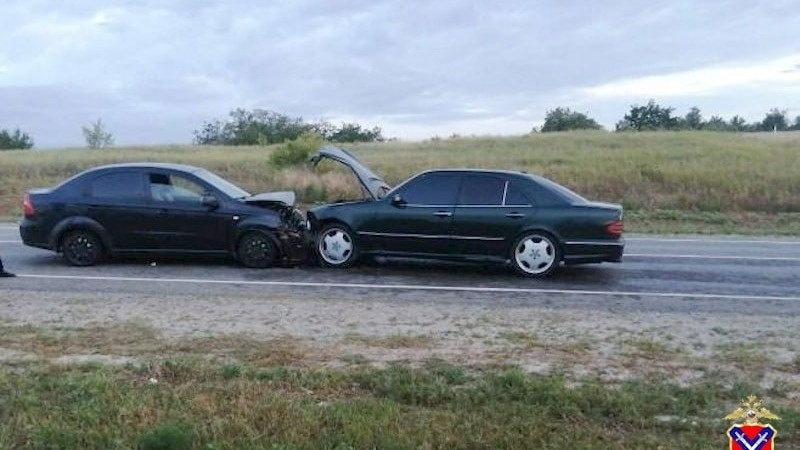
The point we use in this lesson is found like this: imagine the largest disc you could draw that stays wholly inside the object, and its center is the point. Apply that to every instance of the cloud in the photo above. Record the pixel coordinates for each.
(704, 81)
(155, 70)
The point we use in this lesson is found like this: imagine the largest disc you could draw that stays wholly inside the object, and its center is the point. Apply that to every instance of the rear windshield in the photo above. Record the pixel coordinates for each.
(562, 191)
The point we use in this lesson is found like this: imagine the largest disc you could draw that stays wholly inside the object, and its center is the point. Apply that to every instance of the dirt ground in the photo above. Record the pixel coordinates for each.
(618, 345)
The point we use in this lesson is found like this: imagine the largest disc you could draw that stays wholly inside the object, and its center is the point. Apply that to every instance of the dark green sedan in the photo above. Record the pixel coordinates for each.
(490, 216)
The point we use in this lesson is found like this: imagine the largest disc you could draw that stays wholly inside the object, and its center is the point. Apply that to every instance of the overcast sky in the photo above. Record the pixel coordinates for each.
(155, 70)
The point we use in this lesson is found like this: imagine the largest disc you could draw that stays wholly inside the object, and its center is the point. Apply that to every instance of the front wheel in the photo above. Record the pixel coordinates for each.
(256, 250)
(81, 248)
(336, 246)
(536, 255)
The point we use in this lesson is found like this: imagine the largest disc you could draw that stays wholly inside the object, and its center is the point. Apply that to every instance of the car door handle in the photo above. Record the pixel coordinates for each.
(515, 215)
(443, 214)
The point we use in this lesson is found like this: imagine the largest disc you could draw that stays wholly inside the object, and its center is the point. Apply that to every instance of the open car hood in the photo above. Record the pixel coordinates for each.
(283, 197)
(376, 187)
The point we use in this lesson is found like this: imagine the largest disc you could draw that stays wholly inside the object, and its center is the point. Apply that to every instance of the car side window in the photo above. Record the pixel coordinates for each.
(176, 189)
(117, 186)
(515, 197)
(434, 189)
(482, 190)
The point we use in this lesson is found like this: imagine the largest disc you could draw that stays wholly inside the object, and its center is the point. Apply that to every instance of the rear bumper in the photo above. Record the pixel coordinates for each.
(32, 235)
(587, 252)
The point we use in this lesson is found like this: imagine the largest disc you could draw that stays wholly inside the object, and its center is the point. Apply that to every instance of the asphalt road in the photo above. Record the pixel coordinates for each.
(660, 273)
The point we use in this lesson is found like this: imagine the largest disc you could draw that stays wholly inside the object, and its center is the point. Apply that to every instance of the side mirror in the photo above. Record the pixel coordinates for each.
(397, 200)
(210, 201)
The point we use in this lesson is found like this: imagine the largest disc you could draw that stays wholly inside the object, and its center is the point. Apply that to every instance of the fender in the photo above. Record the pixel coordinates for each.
(353, 216)
(79, 223)
(528, 228)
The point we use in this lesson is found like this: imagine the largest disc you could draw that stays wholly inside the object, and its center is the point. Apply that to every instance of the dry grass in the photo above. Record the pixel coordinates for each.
(683, 171)
(391, 341)
(137, 340)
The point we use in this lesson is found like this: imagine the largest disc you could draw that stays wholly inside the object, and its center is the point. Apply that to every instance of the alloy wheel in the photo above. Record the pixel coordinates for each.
(535, 255)
(336, 247)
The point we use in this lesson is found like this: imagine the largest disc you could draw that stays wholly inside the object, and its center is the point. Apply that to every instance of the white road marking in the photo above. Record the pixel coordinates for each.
(712, 241)
(737, 257)
(410, 287)
(10, 242)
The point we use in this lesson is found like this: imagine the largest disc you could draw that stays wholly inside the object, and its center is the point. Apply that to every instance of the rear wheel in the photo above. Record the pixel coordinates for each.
(256, 250)
(536, 255)
(81, 248)
(336, 246)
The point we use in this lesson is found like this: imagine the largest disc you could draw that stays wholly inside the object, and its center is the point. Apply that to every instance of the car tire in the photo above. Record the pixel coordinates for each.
(336, 246)
(256, 250)
(536, 254)
(82, 248)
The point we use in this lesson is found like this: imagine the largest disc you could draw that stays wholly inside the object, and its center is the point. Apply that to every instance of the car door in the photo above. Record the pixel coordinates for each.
(416, 217)
(181, 221)
(116, 200)
(490, 213)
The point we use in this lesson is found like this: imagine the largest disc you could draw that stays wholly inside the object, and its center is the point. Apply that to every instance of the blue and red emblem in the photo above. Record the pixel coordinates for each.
(752, 434)
(751, 437)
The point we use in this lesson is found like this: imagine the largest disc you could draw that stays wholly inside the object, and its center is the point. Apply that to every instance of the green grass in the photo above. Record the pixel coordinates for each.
(238, 392)
(682, 181)
(204, 405)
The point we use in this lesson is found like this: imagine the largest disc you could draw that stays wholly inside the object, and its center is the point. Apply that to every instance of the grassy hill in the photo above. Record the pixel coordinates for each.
(668, 182)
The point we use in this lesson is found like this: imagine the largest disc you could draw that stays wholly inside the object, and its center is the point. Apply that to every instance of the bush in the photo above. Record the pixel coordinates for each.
(14, 141)
(563, 119)
(297, 151)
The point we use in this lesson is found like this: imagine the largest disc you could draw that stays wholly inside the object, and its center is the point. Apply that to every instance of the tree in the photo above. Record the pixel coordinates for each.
(96, 135)
(716, 123)
(352, 132)
(737, 123)
(262, 127)
(693, 119)
(15, 141)
(254, 127)
(775, 120)
(796, 126)
(563, 119)
(649, 117)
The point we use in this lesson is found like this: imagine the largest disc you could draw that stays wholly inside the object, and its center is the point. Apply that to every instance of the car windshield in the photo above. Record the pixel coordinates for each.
(227, 188)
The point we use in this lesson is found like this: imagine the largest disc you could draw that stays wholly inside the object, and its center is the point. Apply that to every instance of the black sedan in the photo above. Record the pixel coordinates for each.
(465, 214)
(162, 208)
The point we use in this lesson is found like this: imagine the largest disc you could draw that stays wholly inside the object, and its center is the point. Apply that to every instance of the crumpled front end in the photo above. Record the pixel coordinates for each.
(295, 238)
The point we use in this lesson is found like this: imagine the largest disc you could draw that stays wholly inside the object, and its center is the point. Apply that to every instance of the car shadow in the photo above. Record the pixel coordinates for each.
(421, 268)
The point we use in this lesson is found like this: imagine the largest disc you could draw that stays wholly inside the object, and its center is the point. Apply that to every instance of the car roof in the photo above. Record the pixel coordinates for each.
(486, 171)
(148, 165)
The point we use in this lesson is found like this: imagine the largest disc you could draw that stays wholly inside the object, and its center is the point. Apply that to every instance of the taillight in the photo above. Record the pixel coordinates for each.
(615, 228)
(27, 206)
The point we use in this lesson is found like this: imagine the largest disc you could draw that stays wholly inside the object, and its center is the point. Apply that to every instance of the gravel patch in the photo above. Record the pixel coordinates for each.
(613, 345)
